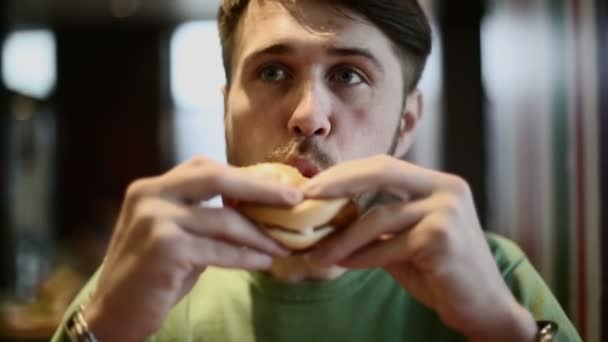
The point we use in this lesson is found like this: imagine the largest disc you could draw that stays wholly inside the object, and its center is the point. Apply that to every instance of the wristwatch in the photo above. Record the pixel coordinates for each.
(78, 329)
(547, 331)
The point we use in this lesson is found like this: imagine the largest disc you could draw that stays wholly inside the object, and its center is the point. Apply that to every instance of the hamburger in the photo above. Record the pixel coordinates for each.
(302, 226)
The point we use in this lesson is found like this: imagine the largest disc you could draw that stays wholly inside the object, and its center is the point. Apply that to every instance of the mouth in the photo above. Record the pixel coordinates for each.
(306, 167)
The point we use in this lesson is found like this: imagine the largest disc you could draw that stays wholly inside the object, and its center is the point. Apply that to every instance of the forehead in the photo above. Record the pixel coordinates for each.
(311, 25)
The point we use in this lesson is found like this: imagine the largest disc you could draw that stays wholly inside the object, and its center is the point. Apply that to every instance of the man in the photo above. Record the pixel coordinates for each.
(330, 88)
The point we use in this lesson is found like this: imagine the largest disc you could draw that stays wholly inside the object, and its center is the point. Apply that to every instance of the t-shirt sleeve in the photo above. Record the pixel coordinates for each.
(529, 288)
(61, 333)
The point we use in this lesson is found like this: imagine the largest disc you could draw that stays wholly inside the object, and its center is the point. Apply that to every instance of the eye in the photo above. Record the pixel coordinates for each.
(273, 73)
(347, 76)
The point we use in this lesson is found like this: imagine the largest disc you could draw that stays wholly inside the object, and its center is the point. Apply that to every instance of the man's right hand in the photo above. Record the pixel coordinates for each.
(164, 239)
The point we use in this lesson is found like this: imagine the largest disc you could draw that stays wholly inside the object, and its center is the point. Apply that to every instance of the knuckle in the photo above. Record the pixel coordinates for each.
(165, 240)
(458, 186)
(208, 168)
(211, 174)
(170, 280)
(140, 188)
(452, 204)
(438, 230)
(146, 214)
(199, 160)
(383, 161)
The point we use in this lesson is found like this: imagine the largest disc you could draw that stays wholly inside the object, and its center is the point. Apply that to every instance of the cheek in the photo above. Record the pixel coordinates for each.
(364, 132)
(253, 130)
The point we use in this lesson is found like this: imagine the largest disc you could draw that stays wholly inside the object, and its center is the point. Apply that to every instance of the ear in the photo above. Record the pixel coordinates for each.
(411, 115)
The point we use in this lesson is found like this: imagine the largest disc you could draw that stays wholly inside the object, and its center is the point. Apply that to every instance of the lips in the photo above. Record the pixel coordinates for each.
(306, 167)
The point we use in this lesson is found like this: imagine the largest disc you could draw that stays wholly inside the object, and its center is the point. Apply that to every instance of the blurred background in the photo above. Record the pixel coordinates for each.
(97, 93)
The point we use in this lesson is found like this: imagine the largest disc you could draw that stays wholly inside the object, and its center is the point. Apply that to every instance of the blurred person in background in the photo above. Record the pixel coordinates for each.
(329, 89)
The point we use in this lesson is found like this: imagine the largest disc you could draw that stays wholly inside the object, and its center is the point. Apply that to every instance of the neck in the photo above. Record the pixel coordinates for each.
(297, 268)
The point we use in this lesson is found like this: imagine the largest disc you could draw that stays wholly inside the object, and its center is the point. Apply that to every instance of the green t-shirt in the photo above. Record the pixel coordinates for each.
(362, 305)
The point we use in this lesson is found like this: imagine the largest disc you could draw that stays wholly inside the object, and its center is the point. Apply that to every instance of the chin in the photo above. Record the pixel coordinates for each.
(297, 268)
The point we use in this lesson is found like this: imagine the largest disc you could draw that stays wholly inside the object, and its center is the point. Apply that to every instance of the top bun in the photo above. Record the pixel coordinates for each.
(283, 173)
(308, 221)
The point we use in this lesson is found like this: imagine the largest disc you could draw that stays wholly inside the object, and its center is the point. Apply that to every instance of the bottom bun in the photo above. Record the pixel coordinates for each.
(299, 241)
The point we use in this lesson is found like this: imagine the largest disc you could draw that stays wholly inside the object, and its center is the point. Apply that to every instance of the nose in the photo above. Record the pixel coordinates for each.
(311, 116)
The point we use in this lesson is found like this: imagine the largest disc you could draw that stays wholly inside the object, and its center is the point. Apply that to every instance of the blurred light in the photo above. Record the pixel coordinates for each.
(124, 8)
(197, 76)
(197, 72)
(498, 62)
(29, 62)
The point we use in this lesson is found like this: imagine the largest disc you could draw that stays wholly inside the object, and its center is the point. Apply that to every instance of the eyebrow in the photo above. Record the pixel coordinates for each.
(284, 49)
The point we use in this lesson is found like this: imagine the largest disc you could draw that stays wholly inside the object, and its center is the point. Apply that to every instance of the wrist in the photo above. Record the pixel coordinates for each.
(517, 324)
(104, 325)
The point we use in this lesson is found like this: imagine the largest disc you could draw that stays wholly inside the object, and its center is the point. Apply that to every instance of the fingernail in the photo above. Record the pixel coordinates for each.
(293, 196)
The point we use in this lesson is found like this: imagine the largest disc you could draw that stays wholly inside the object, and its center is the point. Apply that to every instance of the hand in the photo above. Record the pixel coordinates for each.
(430, 241)
(164, 239)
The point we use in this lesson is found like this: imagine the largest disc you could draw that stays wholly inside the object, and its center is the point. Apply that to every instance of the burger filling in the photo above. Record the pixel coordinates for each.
(306, 232)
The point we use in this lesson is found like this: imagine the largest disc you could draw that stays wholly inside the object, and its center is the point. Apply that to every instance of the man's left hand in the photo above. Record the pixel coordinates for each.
(430, 241)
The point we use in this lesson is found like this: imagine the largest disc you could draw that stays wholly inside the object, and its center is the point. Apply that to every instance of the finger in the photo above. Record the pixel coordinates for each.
(226, 224)
(375, 174)
(415, 245)
(379, 254)
(215, 223)
(208, 252)
(379, 222)
(196, 184)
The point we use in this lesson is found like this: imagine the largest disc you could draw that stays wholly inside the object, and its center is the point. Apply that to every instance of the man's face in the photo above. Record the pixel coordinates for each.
(310, 87)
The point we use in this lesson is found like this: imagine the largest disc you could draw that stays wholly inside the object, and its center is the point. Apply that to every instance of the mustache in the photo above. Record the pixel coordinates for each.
(307, 148)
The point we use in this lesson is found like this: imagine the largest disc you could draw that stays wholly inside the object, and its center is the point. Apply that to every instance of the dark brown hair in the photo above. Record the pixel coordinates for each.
(402, 21)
